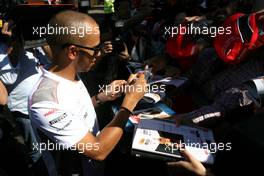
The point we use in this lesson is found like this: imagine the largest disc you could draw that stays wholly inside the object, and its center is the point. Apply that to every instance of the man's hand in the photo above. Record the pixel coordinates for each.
(194, 18)
(6, 30)
(157, 63)
(108, 48)
(135, 90)
(112, 91)
(124, 55)
(191, 164)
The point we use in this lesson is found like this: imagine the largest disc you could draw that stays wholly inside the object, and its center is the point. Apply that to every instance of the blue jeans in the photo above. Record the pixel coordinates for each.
(24, 125)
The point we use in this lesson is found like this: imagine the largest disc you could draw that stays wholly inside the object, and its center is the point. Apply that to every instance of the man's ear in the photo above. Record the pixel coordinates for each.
(72, 52)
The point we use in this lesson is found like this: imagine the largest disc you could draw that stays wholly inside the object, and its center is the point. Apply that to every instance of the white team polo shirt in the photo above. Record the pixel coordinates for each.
(62, 109)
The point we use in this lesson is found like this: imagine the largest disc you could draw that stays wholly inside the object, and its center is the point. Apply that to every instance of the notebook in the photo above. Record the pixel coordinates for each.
(162, 139)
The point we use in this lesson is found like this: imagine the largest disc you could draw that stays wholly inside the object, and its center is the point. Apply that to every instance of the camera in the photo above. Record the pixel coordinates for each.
(118, 45)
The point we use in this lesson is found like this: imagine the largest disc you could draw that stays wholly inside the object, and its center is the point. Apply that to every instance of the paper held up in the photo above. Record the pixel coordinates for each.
(177, 82)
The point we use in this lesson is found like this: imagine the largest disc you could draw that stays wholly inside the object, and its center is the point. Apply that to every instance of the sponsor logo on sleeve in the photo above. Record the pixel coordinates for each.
(63, 127)
(58, 119)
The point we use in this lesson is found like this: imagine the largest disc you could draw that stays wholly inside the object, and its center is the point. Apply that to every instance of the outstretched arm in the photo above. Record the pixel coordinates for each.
(111, 134)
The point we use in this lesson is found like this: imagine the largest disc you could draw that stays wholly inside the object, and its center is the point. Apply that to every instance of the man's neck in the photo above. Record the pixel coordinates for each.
(67, 73)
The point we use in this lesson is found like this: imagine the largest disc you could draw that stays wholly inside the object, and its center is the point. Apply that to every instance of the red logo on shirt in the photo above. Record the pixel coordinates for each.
(50, 112)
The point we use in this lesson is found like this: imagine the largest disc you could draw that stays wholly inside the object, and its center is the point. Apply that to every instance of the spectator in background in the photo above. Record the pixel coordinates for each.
(225, 87)
(19, 71)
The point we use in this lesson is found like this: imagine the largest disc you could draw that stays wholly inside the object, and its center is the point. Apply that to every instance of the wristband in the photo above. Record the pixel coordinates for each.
(127, 110)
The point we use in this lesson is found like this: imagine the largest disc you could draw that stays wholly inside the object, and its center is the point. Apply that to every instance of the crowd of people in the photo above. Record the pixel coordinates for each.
(51, 93)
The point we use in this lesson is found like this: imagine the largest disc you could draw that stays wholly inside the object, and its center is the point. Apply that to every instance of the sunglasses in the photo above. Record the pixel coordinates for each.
(96, 49)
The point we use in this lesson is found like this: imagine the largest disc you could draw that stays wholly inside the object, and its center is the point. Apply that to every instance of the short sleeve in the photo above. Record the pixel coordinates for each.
(57, 123)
